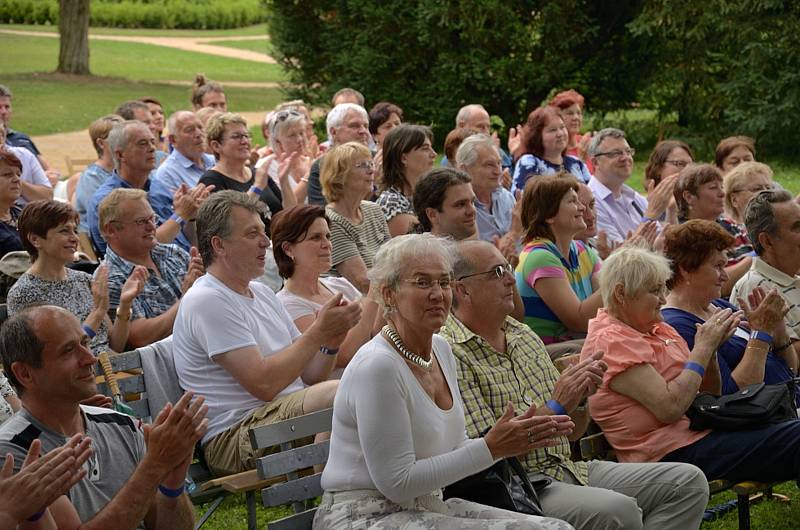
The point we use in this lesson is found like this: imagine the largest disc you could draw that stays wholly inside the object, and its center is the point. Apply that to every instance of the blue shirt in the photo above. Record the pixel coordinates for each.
(18, 139)
(163, 286)
(529, 166)
(498, 222)
(730, 352)
(176, 170)
(92, 220)
(91, 179)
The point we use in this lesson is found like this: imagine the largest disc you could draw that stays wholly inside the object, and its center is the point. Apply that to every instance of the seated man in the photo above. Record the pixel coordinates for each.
(500, 360)
(134, 478)
(140, 111)
(234, 341)
(133, 146)
(33, 181)
(772, 219)
(185, 165)
(128, 225)
(621, 209)
(476, 118)
(443, 204)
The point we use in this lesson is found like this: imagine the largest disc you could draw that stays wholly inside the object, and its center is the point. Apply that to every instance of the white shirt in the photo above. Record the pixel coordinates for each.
(298, 306)
(617, 215)
(389, 435)
(213, 319)
(762, 274)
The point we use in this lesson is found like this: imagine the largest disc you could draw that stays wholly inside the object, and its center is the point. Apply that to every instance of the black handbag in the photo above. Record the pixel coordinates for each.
(752, 407)
(504, 485)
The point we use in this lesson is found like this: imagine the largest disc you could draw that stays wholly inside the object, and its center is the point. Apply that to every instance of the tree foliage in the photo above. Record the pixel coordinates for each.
(433, 56)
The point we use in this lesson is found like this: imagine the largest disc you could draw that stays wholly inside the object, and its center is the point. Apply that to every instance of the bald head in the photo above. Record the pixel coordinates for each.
(475, 117)
(187, 135)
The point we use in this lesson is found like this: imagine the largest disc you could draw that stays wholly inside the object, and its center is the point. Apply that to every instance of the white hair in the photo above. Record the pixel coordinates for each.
(635, 268)
(467, 154)
(465, 112)
(337, 114)
(276, 126)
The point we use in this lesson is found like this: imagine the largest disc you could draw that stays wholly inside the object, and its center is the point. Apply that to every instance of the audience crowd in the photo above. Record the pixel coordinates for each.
(429, 306)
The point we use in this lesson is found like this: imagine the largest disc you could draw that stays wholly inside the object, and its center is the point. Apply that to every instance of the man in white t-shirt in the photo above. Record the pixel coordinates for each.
(235, 343)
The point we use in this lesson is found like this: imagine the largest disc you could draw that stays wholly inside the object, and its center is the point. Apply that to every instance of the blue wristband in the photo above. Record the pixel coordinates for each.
(762, 336)
(648, 219)
(35, 517)
(556, 407)
(89, 331)
(695, 367)
(256, 190)
(169, 492)
(328, 351)
(178, 219)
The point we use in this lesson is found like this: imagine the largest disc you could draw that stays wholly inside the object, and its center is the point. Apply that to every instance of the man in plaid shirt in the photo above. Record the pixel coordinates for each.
(501, 360)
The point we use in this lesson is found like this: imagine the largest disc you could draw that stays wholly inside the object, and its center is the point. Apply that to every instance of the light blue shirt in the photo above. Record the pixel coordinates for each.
(498, 222)
(91, 179)
(176, 170)
(617, 215)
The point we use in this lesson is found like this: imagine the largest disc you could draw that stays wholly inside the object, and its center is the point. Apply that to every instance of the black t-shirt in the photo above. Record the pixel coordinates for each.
(9, 235)
(271, 196)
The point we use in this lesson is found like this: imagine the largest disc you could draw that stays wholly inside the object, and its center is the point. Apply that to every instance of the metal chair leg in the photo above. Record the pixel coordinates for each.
(211, 509)
(250, 497)
(743, 505)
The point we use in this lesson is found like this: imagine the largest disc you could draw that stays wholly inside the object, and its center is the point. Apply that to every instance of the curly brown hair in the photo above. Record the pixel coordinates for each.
(689, 245)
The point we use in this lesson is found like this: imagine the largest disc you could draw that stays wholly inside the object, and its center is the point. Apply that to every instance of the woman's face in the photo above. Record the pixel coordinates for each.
(573, 119)
(10, 183)
(677, 159)
(554, 137)
(569, 219)
(709, 203)
(384, 128)
(314, 250)
(235, 145)
(157, 114)
(736, 157)
(361, 177)
(292, 138)
(60, 243)
(642, 310)
(418, 161)
(586, 197)
(420, 301)
(742, 195)
(706, 282)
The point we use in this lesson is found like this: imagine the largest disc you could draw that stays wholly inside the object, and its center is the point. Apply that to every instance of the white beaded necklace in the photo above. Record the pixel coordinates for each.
(392, 335)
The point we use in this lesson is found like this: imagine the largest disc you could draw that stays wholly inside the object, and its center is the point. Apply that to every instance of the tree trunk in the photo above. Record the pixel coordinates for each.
(73, 25)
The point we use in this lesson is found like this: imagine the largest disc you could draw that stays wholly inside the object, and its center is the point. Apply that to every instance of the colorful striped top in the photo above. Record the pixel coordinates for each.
(540, 258)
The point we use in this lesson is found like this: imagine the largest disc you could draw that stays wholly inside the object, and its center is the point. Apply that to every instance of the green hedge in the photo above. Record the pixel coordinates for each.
(165, 14)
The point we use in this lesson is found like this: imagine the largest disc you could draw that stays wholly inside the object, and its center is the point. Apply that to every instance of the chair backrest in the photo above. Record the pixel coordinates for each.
(125, 366)
(289, 462)
(75, 165)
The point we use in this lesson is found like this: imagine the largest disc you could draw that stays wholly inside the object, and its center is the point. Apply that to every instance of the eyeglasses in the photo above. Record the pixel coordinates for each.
(680, 164)
(142, 221)
(238, 137)
(426, 284)
(499, 272)
(366, 164)
(618, 153)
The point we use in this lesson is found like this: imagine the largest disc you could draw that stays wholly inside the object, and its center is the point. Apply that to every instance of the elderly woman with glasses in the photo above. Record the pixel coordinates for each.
(557, 273)
(699, 195)
(546, 141)
(653, 377)
(358, 227)
(287, 138)
(741, 184)
(49, 231)
(760, 350)
(398, 432)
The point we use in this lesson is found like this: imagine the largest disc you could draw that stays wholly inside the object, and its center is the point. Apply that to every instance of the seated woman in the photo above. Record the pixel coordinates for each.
(10, 189)
(696, 253)
(407, 155)
(383, 117)
(668, 158)
(398, 432)
(301, 238)
(358, 227)
(287, 138)
(741, 184)
(698, 195)
(653, 377)
(734, 150)
(49, 231)
(546, 143)
(570, 106)
(556, 274)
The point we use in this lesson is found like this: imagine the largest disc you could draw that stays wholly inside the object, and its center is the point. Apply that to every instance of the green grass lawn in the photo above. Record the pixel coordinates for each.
(142, 62)
(260, 46)
(259, 29)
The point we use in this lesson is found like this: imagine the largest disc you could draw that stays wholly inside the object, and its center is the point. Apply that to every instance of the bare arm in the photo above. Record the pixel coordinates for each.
(561, 299)
(144, 331)
(400, 224)
(355, 271)
(36, 192)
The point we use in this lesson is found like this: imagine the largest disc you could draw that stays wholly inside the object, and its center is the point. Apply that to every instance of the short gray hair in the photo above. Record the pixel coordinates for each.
(608, 132)
(5, 92)
(213, 218)
(172, 122)
(336, 116)
(395, 255)
(282, 119)
(120, 135)
(465, 113)
(467, 154)
(759, 216)
(128, 108)
(635, 268)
